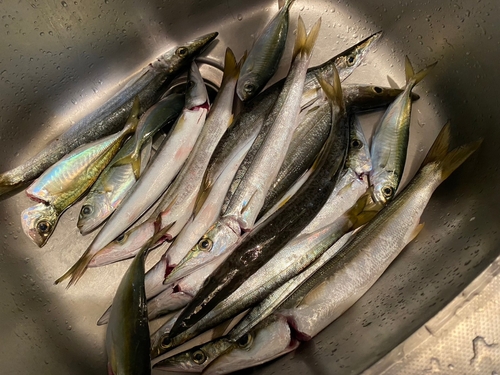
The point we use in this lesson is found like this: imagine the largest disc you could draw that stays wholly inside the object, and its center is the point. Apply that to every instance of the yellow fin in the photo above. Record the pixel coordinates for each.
(285, 4)
(416, 231)
(304, 43)
(231, 67)
(413, 78)
(449, 160)
(333, 93)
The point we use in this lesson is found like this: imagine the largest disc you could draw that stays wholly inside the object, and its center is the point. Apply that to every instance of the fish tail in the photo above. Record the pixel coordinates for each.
(6, 185)
(104, 319)
(133, 118)
(333, 92)
(285, 4)
(304, 43)
(449, 160)
(363, 210)
(413, 78)
(77, 270)
(133, 159)
(231, 67)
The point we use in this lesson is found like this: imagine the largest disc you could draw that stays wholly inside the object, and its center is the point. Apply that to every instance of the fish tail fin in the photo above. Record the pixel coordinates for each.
(104, 319)
(304, 43)
(285, 4)
(333, 92)
(133, 159)
(133, 118)
(363, 210)
(6, 185)
(231, 67)
(77, 270)
(413, 78)
(449, 160)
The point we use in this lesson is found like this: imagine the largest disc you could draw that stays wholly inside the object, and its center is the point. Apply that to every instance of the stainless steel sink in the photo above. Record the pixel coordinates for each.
(60, 59)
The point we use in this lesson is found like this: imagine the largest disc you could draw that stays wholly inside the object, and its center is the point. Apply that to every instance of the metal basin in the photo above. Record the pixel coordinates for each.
(60, 59)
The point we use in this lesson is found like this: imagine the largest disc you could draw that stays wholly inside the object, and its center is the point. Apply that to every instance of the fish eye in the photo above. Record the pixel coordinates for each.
(248, 87)
(165, 342)
(377, 89)
(87, 210)
(387, 191)
(245, 341)
(199, 357)
(43, 227)
(356, 144)
(205, 244)
(181, 51)
(121, 237)
(350, 60)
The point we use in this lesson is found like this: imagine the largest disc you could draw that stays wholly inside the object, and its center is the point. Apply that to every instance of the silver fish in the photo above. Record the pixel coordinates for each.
(345, 278)
(158, 175)
(178, 203)
(66, 181)
(111, 116)
(264, 57)
(249, 197)
(110, 189)
(390, 140)
(162, 113)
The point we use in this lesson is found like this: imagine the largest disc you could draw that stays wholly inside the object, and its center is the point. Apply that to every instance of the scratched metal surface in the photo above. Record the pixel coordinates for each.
(61, 59)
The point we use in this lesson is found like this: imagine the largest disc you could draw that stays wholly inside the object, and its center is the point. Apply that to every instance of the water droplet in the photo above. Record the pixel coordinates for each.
(64, 4)
(239, 16)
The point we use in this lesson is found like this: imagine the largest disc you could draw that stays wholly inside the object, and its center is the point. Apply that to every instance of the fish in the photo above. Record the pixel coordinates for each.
(390, 140)
(339, 283)
(178, 203)
(332, 221)
(66, 181)
(127, 335)
(110, 189)
(264, 57)
(112, 115)
(326, 293)
(192, 231)
(308, 139)
(156, 178)
(271, 338)
(162, 113)
(248, 198)
(345, 63)
(259, 245)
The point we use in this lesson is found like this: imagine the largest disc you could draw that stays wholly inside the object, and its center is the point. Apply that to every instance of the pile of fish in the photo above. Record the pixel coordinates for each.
(280, 214)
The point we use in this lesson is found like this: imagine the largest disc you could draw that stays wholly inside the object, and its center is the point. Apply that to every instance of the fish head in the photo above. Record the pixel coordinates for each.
(358, 157)
(94, 211)
(197, 358)
(38, 222)
(196, 94)
(180, 56)
(362, 98)
(210, 246)
(348, 60)
(249, 84)
(385, 184)
(125, 245)
(261, 345)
